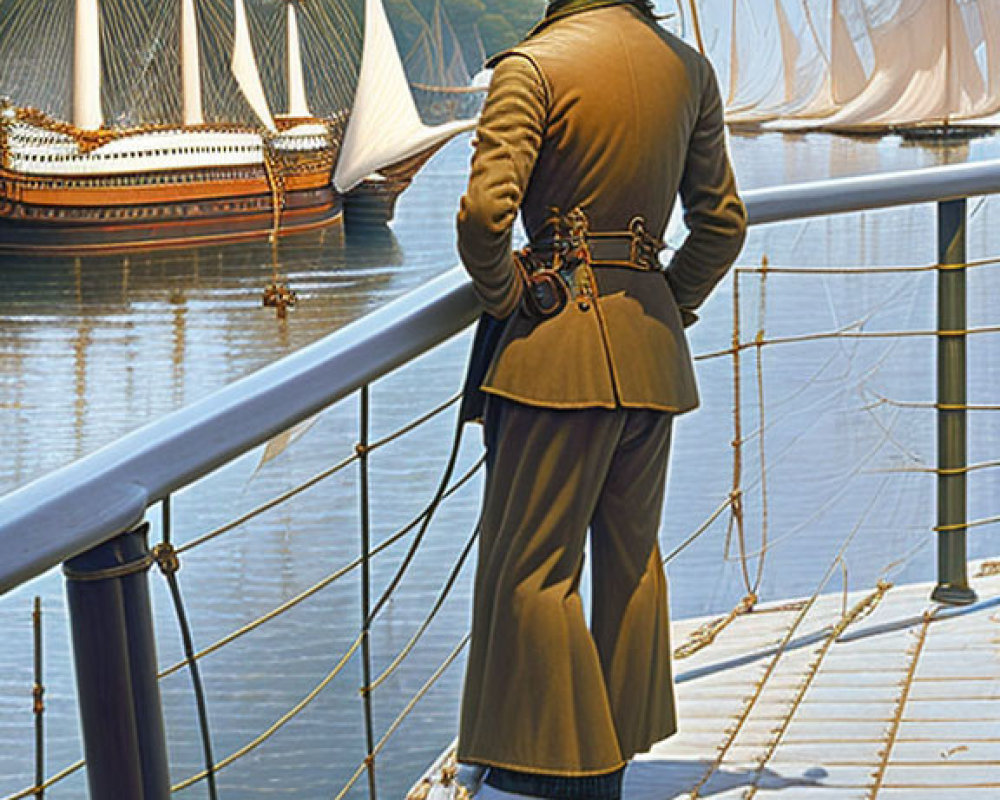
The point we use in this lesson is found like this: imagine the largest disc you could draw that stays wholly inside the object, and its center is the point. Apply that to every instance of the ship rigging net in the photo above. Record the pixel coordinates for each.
(140, 61)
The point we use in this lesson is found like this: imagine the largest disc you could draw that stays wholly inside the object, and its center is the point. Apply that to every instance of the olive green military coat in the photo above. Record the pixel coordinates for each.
(547, 140)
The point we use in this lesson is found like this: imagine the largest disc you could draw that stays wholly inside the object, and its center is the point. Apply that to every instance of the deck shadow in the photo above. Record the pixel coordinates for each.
(665, 779)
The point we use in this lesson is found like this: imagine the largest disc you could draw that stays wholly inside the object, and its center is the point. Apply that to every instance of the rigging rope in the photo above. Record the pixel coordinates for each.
(166, 558)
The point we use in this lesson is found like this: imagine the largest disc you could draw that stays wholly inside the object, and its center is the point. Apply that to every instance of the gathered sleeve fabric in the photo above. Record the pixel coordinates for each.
(507, 142)
(713, 211)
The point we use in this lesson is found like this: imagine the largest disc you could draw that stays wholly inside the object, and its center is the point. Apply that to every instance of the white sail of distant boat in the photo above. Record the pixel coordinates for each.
(860, 64)
(384, 127)
(924, 71)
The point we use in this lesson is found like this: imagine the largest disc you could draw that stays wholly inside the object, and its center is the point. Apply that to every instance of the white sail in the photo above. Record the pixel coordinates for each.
(297, 104)
(986, 49)
(990, 35)
(87, 67)
(921, 70)
(842, 76)
(384, 127)
(757, 78)
(190, 66)
(244, 67)
(898, 63)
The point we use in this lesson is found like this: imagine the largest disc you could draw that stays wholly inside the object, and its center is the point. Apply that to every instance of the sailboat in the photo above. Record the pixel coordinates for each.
(386, 141)
(916, 67)
(438, 72)
(84, 185)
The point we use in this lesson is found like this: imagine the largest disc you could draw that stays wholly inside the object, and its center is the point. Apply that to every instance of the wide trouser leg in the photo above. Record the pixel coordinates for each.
(630, 620)
(534, 697)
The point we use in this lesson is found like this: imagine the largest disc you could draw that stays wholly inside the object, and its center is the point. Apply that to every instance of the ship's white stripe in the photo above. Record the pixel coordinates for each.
(36, 151)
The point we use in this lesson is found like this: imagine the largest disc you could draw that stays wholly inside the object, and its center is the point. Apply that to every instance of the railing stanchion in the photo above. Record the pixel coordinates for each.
(115, 653)
(38, 697)
(953, 582)
(366, 656)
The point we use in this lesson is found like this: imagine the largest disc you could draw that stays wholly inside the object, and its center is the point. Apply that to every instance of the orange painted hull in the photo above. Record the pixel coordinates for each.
(168, 209)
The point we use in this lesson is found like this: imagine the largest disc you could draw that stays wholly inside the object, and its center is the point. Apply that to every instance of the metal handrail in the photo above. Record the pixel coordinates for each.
(77, 507)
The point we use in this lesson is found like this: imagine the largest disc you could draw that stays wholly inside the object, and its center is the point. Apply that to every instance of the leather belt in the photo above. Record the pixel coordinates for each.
(635, 248)
(558, 269)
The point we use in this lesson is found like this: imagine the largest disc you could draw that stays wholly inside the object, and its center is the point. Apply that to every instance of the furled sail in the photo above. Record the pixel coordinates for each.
(87, 67)
(244, 66)
(297, 105)
(190, 65)
(384, 127)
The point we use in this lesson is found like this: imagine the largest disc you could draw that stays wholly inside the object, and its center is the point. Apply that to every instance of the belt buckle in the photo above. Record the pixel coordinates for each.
(644, 248)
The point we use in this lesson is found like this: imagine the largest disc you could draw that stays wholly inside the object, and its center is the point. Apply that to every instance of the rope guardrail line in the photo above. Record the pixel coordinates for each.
(366, 619)
(323, 583)
(744, 714)
(860, 610)
(736, 489)
(942, 470)
(321, 476)
(978, 523)
(704, 635)
(931, 405)
(424, 418)
(981, 262)
(847, 333)
(403, 715)
(278, 725)
(897, 717)
(700, 530)
(432, 507)
(759, 364)
(32, 791)
(267, 506)
(821, 509)
(442, 596)
(166, 559)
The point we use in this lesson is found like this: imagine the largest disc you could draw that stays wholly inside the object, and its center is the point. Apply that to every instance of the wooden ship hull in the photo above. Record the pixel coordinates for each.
(372, 203)
(59, 209)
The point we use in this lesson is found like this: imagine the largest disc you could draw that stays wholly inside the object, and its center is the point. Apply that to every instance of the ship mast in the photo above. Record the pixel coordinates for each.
(87, 67)
(244, 67)
(190, 67)
(298, 107)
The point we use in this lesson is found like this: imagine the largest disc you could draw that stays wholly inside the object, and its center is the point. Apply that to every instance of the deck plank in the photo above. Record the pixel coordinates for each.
(904, 703)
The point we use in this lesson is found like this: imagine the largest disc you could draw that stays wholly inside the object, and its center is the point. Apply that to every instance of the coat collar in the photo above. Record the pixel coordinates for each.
(555, 11)
(560, 9)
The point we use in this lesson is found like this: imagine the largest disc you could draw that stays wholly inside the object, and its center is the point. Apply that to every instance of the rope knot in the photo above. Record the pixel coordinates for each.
(37, 693)
(361, 450)
(166, 558)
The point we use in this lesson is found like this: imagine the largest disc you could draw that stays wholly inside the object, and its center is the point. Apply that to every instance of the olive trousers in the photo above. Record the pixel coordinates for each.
(544, 693)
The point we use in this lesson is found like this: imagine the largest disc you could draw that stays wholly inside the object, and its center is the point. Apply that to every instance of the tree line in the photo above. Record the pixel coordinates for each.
(493, 24)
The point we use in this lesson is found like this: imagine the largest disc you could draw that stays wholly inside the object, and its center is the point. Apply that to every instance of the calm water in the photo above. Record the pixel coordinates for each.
(93, 348)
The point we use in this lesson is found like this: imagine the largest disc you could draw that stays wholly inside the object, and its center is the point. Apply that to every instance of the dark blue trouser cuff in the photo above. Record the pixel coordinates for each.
(557, 787)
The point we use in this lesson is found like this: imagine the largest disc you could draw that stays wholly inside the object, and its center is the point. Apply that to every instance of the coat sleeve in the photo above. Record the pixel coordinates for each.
(713, 211)
(508, 139)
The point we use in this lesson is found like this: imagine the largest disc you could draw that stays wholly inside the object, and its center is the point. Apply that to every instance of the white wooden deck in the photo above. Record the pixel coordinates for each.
(791, 702)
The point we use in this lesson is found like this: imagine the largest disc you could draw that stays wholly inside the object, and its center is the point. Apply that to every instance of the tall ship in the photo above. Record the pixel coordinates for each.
(138, 179)
(869, 67)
